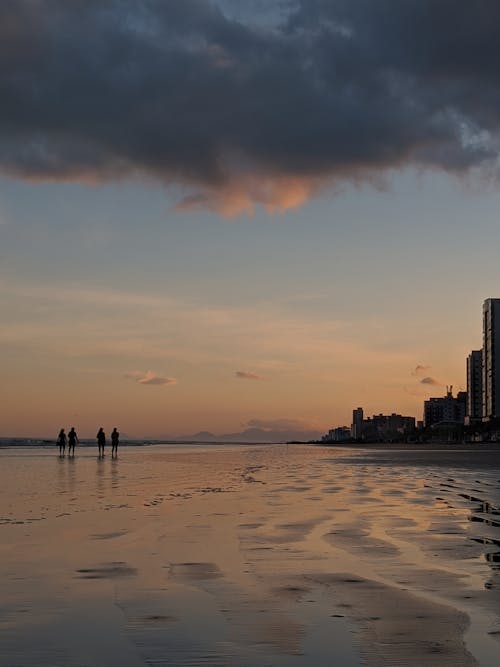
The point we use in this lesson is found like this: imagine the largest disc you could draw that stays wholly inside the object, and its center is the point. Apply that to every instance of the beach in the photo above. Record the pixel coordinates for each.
(250, 554)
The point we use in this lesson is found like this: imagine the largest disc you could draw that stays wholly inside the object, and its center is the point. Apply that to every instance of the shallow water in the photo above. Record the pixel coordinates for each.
(245, 555)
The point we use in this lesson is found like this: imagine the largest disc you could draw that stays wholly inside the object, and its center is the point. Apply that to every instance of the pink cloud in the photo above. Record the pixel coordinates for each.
(150, 377)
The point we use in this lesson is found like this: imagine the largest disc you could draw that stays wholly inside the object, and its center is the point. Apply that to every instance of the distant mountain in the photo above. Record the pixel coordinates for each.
(202, 436)
(251, 435)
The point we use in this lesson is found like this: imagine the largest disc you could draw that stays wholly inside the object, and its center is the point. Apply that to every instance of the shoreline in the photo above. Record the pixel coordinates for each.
(282, 555)
(146, 442)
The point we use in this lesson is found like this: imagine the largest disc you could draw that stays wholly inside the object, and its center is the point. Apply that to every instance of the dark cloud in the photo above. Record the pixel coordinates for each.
(244, 110)
(248, 375)
(430, 381)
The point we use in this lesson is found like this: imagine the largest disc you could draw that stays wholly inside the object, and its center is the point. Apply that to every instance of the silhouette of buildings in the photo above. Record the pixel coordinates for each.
(478, 408)
(357, 424)
(491, 359)
(339, 434)
(474, 410)
(445, 410)
(381, 428)
(483, 371)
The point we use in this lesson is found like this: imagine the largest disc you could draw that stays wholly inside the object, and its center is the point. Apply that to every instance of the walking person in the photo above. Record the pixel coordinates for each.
(61, 441)
(72, 440)
(101, 441)
(115, 438)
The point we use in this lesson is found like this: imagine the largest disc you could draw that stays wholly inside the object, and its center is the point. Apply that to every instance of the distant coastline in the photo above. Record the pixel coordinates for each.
(139, 442)
(89, 443)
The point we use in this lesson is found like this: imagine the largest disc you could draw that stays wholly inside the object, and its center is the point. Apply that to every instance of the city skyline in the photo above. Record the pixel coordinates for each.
(241, 214)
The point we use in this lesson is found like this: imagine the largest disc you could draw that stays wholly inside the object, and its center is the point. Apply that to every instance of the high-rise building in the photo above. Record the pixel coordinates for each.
(491, 359)
(474, 409)
(357, 423)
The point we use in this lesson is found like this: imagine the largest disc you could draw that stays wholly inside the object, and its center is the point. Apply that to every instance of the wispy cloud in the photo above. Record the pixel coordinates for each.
(92, 324)
(248, 375)
(96, 297)
(116, 329)
(150, 378)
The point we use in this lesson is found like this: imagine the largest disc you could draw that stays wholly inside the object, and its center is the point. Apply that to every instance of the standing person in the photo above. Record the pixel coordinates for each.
(72, 440)
(115, 438)
(61, 441)
(101, 441)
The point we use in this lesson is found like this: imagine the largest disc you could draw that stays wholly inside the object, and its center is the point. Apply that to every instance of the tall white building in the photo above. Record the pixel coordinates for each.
(491, 359)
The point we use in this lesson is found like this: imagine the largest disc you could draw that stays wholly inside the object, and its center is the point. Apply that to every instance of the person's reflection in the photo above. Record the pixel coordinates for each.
(100, 478)
(61, 487)
(71, 476)
(114, 473)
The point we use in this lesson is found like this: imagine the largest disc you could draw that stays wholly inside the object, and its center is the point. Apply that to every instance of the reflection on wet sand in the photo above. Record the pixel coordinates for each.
(250, 555)
(107, 571)
(399, 628)
(194, 571)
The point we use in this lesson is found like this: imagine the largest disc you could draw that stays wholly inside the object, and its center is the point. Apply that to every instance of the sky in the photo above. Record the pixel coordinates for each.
(229, 215)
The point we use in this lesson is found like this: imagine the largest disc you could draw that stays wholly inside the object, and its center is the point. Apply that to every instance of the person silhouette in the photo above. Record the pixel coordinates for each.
(61, 441)
(72, 440)
(101, 441)
(115, 438)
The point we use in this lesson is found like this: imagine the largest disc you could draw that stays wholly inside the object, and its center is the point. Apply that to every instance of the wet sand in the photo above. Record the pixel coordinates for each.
(244, 555)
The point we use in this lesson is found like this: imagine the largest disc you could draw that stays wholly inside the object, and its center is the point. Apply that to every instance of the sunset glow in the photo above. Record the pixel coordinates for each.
(272, 215)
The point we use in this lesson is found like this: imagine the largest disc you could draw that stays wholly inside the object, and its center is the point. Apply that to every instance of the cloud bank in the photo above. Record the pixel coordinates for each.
(242, 107)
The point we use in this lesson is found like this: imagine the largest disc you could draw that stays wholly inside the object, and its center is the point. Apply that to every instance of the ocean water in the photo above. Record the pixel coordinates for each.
(245, 555)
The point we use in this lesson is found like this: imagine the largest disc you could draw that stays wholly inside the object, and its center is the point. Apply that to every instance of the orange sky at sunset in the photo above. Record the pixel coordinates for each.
(229, 215)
